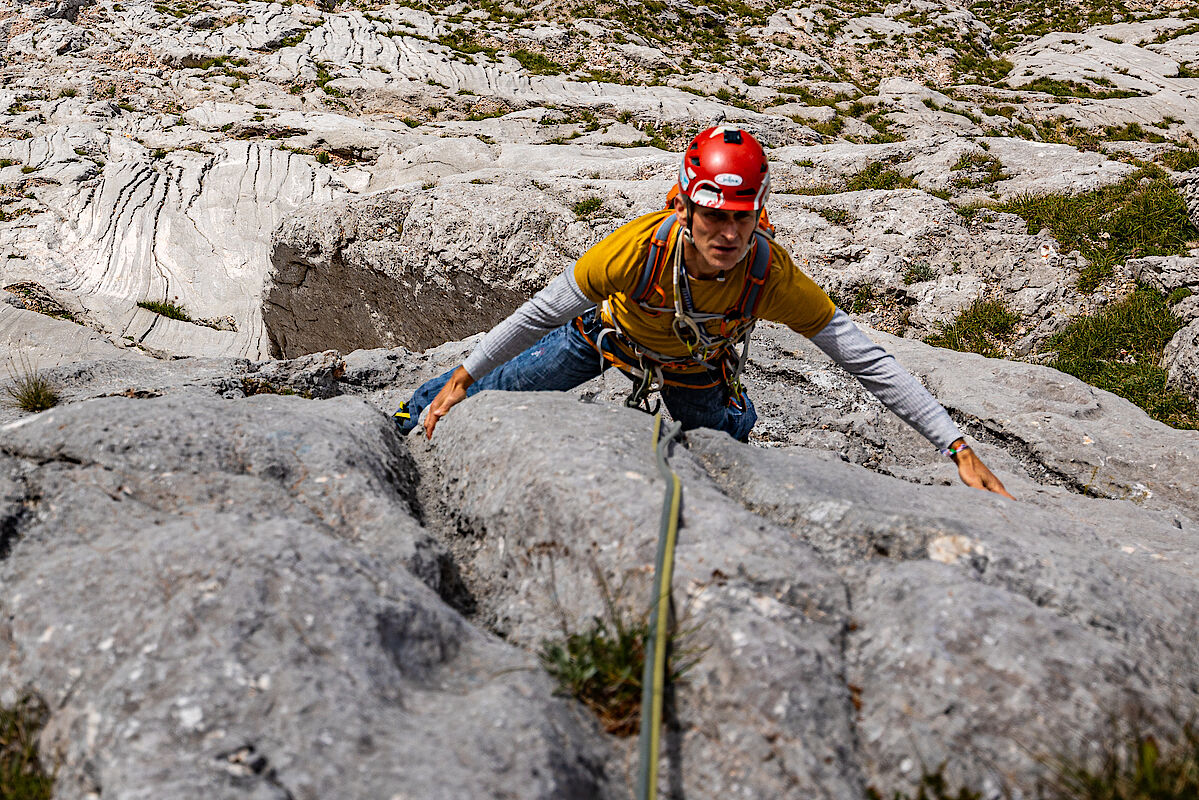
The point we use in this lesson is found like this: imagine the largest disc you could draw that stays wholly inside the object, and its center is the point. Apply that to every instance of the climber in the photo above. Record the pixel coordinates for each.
(634, 301)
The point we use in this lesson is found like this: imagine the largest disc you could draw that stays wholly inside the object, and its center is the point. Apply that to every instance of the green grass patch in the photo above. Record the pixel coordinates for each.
(166, 308)
(1142, 215)
(461, 41)
(810, 98)
(602, 667)
(537, 63)
(21, 774)
(878, 175)
(1141, 767)
(837, 216)
(976, 65)
(1181, 160)
(980, 169)
(1074, 89)
(918, 273)
(981, 328)
(587, 207)
(1132, 132)
(830, 129)
(1119, 348)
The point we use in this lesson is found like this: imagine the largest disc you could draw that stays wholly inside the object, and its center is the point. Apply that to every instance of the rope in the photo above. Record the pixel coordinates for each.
(653, 680)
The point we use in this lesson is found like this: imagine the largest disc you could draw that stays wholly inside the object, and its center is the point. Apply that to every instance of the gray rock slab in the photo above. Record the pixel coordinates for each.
(1181, 360)
(765, 712)
(1086, 438)
(1166, 273)
(417, 268)
(1188, 187)
(1051, 578)
(251, 612)
(1044, 609)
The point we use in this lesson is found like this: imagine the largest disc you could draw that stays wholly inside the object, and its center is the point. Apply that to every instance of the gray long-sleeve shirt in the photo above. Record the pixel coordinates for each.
(841, 340)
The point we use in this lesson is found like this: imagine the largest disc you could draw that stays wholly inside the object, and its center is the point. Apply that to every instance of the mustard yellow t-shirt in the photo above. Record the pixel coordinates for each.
(610, 271)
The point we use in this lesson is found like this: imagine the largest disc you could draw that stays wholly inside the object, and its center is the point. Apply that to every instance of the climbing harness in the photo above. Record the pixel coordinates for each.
(716, 353)
(653, 679)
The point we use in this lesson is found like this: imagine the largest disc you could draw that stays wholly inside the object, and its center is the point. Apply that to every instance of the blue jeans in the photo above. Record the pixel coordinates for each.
(563, 359)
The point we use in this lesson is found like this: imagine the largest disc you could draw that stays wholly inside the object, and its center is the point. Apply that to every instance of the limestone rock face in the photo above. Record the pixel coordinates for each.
(253, 603)
(186, 228)
(419, 268)
(280, 539)
(895, 611)
(230, 576)
(1188, 187)
(1181, 359)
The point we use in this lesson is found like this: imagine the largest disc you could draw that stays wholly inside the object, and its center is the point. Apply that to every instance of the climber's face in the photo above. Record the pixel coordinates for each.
(721, 237)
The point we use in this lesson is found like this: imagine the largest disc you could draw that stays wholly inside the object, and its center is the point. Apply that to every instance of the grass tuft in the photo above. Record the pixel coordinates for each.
(30, 390)
(21, 773)
(587, 207)
(979, 169)
(877, 175)
(602, 665)
(602, 668)
(1181, 160)
(1074, 89)
(1119, 348)
(837, 216)
(1143, 215)
(166, 308)
(537, 63)
(978, 329)
(918, 273)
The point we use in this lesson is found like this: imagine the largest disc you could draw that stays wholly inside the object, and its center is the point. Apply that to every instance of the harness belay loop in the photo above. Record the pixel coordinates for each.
(716, 353)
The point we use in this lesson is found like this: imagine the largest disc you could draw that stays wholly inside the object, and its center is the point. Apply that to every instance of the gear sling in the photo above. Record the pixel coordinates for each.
(651, 371)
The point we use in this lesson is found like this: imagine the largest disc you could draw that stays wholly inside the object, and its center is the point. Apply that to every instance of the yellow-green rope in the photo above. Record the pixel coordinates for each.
(653, 680)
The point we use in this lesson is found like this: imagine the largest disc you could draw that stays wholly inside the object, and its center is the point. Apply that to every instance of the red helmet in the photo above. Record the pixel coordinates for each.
(725, 168)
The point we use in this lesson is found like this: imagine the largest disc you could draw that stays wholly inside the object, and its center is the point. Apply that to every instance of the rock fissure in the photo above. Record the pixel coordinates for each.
(17, 516)
(1025, 454)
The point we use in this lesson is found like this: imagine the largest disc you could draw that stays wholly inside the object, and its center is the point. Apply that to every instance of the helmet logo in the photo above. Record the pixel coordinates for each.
(728, 179)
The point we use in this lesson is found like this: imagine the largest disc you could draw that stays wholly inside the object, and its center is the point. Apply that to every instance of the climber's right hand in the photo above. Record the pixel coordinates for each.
(453, 393)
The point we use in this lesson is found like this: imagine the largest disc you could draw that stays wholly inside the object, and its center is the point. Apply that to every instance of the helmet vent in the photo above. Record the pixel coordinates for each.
(695, 160)
(746, 192)
(732, 137)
